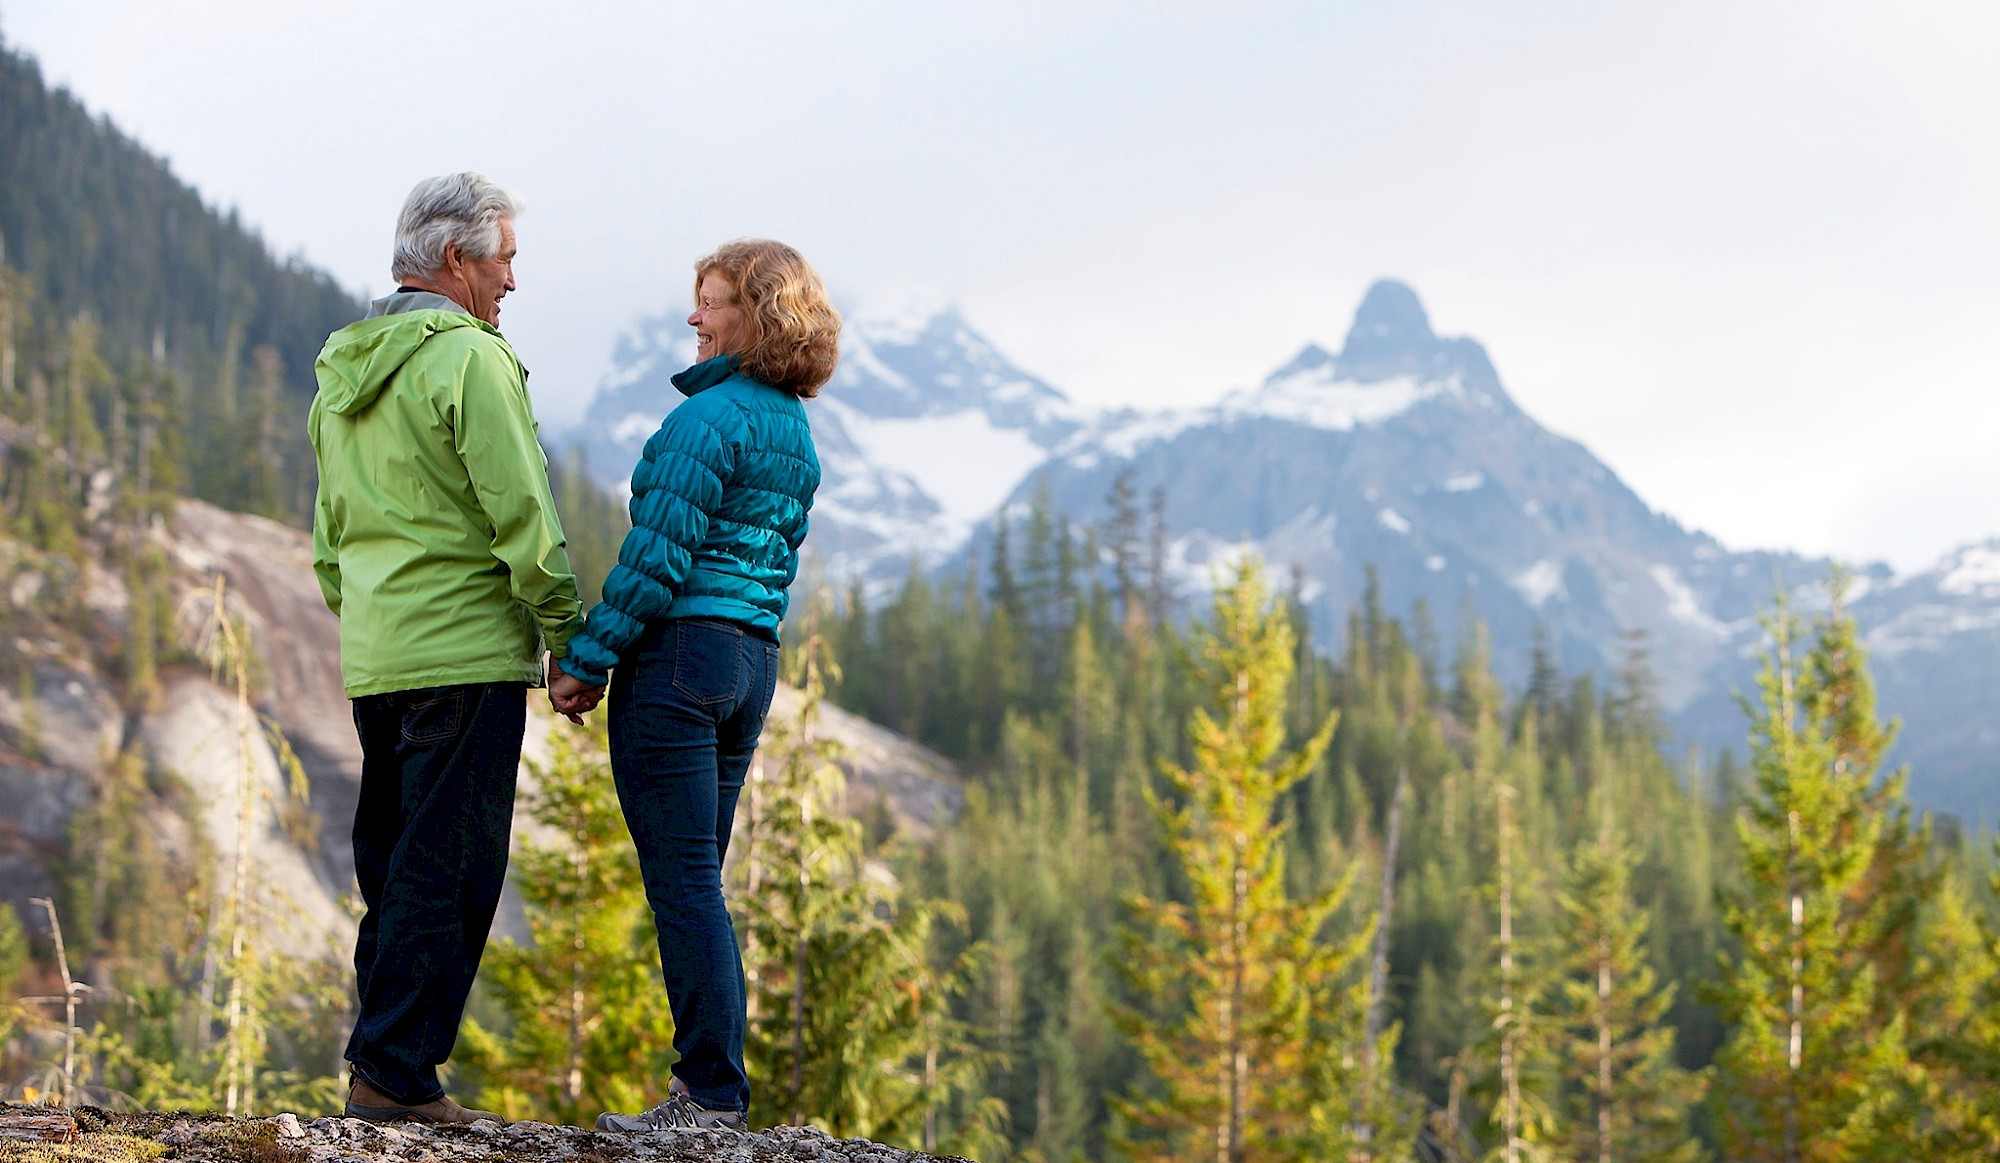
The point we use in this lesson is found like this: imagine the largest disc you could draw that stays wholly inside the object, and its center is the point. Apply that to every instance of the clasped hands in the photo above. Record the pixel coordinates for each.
(571, 697)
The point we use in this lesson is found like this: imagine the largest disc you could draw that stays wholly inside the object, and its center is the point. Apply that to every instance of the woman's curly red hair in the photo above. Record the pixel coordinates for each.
(797, 330)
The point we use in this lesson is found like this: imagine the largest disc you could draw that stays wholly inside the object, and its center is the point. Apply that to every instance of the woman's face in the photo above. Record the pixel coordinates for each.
(721, 326)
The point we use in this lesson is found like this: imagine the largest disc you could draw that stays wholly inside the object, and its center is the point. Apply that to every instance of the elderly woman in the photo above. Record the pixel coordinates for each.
(689, 629)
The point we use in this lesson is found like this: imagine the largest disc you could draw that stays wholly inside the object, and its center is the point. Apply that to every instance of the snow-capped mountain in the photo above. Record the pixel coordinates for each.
(1934, 641)
(924, 430)
(1402, 452)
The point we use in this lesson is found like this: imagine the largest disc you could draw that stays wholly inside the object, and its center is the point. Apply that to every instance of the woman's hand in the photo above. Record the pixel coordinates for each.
(571, 697)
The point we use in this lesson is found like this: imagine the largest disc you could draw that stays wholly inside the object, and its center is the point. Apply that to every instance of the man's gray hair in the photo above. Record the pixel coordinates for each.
(462, 210)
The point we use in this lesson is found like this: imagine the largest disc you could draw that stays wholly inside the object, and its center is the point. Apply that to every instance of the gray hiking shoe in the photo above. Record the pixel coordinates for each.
(679, 1112)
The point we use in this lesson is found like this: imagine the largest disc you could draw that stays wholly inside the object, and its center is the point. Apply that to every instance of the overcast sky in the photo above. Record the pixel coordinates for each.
(1748, 253)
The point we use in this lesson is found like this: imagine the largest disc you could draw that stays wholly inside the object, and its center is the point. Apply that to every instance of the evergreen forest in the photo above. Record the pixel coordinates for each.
(1214, 893)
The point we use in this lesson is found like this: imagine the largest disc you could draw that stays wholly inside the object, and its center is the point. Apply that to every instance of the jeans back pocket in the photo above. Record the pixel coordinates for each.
(434, 715)
(708, 661)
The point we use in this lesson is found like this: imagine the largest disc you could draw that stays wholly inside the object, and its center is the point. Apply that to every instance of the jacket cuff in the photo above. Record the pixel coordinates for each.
(571, 667)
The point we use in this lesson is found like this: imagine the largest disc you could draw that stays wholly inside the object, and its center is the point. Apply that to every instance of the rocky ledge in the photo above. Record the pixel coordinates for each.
(90, 1135)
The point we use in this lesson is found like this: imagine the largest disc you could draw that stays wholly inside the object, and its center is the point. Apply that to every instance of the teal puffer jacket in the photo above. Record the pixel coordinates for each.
(719, 502)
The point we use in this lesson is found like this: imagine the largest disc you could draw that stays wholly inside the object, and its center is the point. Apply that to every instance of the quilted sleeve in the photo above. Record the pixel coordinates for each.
(677, 484)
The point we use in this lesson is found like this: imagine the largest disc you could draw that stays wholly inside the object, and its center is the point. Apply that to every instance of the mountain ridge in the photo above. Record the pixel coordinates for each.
(1401, 455)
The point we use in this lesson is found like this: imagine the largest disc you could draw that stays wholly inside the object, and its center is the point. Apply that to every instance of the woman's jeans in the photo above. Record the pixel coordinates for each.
(687, 705)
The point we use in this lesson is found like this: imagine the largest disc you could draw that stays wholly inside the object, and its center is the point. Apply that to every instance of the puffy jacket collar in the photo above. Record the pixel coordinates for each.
(705, 375)
(360, 358)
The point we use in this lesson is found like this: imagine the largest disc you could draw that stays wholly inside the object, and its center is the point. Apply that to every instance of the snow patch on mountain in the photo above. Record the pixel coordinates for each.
(1927, 627)
(900, 319)
(636, 426)
(1539, 582)
(963, 461)
(1197, 561)
(1314, 396)
(1120, 435)
(1319, 397)
(1973, 570)
(1682, 604)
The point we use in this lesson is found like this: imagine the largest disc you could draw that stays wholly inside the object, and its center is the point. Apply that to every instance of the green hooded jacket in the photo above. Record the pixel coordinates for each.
(435, 537)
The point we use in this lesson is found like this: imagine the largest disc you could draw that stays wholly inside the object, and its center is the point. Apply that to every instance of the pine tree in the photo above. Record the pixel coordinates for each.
(850, 1024)
(232, 1024)
(1951, 1097)
(1812, 1065)
(1516, 1051)
(85, 374)
(1625, 1097)
(589, 1029)
(1252, 1017)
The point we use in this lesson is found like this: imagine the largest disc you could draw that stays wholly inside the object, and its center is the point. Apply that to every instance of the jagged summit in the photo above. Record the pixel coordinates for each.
(1389, 322)
(1392, 337)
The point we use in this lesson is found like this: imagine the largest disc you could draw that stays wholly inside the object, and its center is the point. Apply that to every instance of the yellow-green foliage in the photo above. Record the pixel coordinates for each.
(1250, 1010)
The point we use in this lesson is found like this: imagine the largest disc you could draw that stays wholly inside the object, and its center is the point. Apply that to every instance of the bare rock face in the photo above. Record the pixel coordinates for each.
(920, 787)
(268, 566)
(104, 1137)
(232, 772)
(64, 718)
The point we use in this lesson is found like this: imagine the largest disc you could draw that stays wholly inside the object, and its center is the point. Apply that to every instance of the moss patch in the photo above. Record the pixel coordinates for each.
(103, 1147)
(244, 1141)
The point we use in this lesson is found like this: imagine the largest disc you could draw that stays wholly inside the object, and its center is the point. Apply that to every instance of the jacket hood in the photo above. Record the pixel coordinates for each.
(359, 359)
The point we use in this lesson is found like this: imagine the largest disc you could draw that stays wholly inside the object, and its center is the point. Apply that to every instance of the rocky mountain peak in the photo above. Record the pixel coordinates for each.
(1389, 322)
(1311, 358)
(1391, 337)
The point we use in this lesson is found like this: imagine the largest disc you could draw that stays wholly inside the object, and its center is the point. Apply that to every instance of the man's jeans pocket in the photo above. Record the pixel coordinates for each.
(434, 715)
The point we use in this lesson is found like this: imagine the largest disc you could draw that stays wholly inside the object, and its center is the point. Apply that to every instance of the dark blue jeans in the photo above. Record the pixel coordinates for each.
(430, 853)
(687, 706)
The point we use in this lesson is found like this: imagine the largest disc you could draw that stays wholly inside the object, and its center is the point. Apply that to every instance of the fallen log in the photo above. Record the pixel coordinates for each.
(55, 1127)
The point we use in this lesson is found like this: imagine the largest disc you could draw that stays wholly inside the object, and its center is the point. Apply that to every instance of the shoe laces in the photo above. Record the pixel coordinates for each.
(681, 1110)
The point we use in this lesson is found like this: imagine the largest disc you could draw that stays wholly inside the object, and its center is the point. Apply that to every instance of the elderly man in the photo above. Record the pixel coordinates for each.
(436, 542)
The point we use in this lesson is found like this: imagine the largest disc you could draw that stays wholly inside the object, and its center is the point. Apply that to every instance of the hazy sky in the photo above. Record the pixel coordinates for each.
(1749, 253)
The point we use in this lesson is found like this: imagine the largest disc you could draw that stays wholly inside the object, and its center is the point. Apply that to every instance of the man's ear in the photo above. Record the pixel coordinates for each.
(454, 259)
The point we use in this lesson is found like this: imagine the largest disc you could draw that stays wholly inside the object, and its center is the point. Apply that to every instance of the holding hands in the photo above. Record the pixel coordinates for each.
(571, 697)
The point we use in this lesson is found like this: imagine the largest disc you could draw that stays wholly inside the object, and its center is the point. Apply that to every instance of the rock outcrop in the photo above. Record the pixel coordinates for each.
(66, 716)
(105, 1137)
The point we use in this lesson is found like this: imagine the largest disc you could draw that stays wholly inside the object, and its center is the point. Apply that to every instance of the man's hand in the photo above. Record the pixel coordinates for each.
(571, 697)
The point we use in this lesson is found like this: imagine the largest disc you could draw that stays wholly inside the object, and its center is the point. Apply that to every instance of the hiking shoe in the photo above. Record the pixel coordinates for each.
(365, 1102)
(679, 1112)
